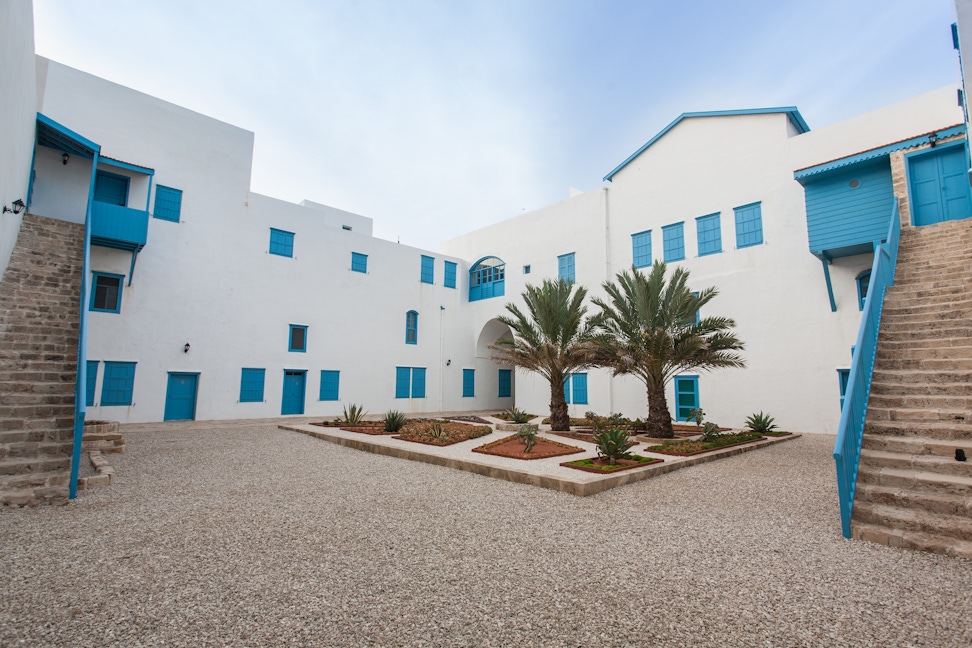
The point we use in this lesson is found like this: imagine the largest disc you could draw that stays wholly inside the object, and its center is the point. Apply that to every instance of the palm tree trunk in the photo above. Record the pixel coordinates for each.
(659, 418)
(559, 419)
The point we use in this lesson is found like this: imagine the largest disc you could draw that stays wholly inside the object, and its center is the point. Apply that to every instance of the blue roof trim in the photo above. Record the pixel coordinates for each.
(790, 111)
(126, 165)
(801, 174)
(82, 145)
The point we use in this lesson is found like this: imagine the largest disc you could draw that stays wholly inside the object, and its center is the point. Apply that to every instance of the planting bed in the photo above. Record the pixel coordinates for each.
(513, 448)
(689, 448)
(367, 428)
(452, 432)
(602, 467)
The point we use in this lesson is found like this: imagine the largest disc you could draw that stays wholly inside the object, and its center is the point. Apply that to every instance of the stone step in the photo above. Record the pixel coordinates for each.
(876, 459)
(947, 402)
(924, 353)
(911, 540)
(926, 343)
(36, 435)
(918, 446)
(945, 293)
(31, 398)
(959, 316)
(959, 418)
(22, 465)
(916, 480)
(930, 364)
(893, 308)
(937, 524)
(28, 449)
(891, 333)
(907, 499)
(885, 388)
(37, 496)
(941, 430)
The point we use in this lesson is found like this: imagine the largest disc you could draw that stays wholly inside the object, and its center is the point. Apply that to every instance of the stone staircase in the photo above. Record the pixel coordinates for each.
(38, 360)
(911, 492)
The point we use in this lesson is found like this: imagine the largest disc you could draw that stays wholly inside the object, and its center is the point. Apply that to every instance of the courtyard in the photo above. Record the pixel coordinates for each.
(242, 534)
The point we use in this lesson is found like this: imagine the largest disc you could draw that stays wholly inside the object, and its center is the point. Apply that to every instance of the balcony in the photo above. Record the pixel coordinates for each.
(118, 227)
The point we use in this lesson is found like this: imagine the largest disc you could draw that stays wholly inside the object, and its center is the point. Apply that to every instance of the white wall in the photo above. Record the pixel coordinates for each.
(17, 115)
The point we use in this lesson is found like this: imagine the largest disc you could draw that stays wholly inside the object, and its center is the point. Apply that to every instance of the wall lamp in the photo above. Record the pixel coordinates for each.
(448, 362)
(185, 349)
(65, 158)
(933, 139)
(18, 207)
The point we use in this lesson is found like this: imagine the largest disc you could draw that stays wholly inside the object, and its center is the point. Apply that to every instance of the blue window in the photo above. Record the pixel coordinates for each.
(106, 292)
(281, 242)
(359, 262)
(330, 382)
(409, 380)
(526, 269)
(487, 278)
(641, 249)
(168, 203)
(710, 234)
(111, 188)
(450, 275)
(411, 327)
(298, 338)
(565, 267)
(843, 377)
(579, 384)
(673, 239)
(686, 396)
(863, 283)
(91, 379)
(251, 385)
(119, 381)
(468, 383)
(505, 383)
(749, 225)
(428, 269)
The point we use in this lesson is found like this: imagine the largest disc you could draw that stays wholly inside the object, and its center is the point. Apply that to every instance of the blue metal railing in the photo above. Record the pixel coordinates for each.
(850, 434)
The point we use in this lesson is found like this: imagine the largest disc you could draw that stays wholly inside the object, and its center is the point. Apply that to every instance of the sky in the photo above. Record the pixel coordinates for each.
(436, 118)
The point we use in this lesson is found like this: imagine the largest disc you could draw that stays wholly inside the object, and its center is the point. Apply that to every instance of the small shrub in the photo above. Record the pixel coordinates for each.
(528, 435)
(612, 444)
(638, 424)
(710, 432)
(761, 423)
(517, 415)
(394, 421)
(698, 415)
(354, 414)
(435, 430)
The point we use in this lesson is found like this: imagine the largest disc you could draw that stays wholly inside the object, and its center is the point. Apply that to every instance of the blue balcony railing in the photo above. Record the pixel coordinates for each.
(850, 434)
(118, 227)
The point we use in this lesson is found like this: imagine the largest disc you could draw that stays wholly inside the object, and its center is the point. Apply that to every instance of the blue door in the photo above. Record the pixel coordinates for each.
(939, 186)
(111, 188)
(293, 392)
(686, 396)
(180, 397)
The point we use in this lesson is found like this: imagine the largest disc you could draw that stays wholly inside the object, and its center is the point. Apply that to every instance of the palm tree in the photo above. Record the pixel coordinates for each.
(648, 329)
(552, 339)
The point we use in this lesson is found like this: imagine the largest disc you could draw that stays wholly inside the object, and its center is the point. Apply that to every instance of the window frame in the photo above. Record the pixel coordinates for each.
(410, 382)
(167, 212)
(285, 247)
(706, 241)
(672, 234)
(333, 384)
(468, 383)
(290, 339)
(642, 241)
(359, 262)
(411, 327)
(567, 267)
(740, 212)
(117, 396)
(427, 275)
(95, 276)
(248, 382)
(695, 390)
(449, 274)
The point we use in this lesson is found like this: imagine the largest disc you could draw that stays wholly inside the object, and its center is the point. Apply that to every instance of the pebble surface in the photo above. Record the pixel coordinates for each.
(253, 536)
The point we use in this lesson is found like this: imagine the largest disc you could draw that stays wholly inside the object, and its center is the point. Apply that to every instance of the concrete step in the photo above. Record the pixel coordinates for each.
(876, 459)
(892, 517)
(918, 446)
(941, 430)
(916, 480)
(911, 540)
(906, 499)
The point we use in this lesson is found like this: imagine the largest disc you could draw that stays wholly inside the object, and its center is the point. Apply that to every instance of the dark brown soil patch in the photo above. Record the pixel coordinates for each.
(602, 466)
(513, 448)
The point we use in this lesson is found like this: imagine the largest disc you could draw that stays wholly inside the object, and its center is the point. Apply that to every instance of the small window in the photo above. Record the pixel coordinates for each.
(409, 381)
(251, 385)
(346, 228)
(505, 383)
(106, 292)
(565, 267)
(449, 278)
(168, 203)
(709, 234)
(843, 377)
(330, 382)
(673, 240)
(468, 383)
(863, 284)
(641, 249)
(579, 383)
(749, 225)
(298, 338)
(359, 262)
(119, 382)
(526, 269)
(281, 243)
(90, 380)
(428, 269)
(411, 327)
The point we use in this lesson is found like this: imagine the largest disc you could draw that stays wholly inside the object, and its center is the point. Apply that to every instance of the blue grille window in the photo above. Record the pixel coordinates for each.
(281, 242)
(106, 292)
(673, 238)
(749, 225)
(449, 280)
(468, 383)
(168, 203)
(641, 249)
(505, 383)
(428, 269)
(565, 267)
(579, 384)
(710, 234)
(411, 327)
(359, 262)
(118, 384)
(487, 278)
(298, 338)
(91, 379)
(251, 385)
(409, 380)
(330, 383)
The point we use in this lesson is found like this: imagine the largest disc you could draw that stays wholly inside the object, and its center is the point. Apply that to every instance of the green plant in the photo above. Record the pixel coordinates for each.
(394, 421)
(613, 444)
(528, 435)
(710, 432)
(761, 423)
(435, 430)
(516, 415)
(698, 415)
(637, 424)
(354, 414)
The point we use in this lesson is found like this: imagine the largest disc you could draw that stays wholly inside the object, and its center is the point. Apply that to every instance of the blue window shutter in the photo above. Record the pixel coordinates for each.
(749, 225)
(106, 292)
(298, 338)
(330, 383)
(579, 384)
(251, 385)
(428, 269)
(111, 188)
(281, 242)
(505, 383)
(449, 278)
(468, 383)
(168, 203)
(567, 389)
(359, 262)
(565, 267)
(91, 379)
(673, 240)
(418, 382)
(402, 381)
(411, 327)
(709, 234)
(118, 384)
(641, 249)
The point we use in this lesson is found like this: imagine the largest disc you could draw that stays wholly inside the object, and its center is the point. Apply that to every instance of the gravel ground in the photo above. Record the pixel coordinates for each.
(251, 536)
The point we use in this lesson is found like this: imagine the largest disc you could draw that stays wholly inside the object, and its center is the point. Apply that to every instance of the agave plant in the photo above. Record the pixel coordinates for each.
(613, 444)
(761, 423)
(528, 435)
(394, 421)
(435, 431)
(354, 414)
(516, 415)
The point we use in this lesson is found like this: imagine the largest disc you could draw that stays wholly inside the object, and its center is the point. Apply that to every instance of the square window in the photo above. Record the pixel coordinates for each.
(749, 225)
(565, 267)
(168, 203)
(641, 249)
(106, 292)
(673, 238)
(281, 242)
(359, 262)
(298, 338)
(709, 234)
(330, 381)
(526, 269)
(118, 383)
(409, 377)
(449, 278)
(428, 269)
(251, 385)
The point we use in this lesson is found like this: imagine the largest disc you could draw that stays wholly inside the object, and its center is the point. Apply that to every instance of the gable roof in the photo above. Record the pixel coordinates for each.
(790, 111)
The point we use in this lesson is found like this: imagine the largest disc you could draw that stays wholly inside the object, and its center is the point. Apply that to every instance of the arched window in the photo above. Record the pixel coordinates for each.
(863, 283)
(487, 278)
(411, 327)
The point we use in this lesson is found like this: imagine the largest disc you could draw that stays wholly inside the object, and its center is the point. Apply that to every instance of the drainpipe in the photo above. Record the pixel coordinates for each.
(441, 345)
(607, 277)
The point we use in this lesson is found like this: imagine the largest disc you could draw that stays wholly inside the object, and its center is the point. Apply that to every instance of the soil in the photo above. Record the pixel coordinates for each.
(776, 433)
(656, 450)
(470, 419)
(602, 467)
(452, 432)
(375, 429)
(513, 448)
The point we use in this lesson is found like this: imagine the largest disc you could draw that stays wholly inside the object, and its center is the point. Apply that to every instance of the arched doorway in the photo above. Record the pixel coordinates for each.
(497, 381)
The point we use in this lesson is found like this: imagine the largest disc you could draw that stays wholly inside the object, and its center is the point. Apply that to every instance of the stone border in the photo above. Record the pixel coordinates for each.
(580, 488)
(105, 476)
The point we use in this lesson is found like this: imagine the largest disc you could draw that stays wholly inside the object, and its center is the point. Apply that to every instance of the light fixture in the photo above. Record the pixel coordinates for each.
(933, 139)
(18, 207)
(448, 362)
(65, 158)
(185, 349)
